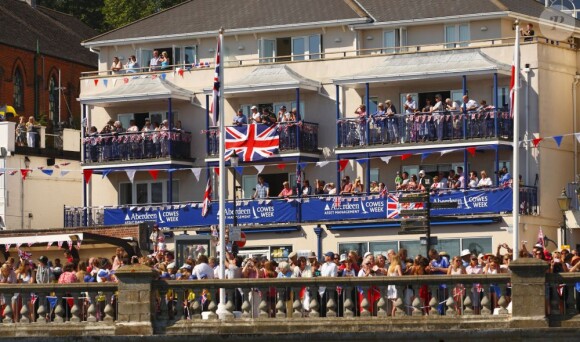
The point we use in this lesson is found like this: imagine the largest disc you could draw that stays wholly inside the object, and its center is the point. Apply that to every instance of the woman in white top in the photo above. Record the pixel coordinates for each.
(485, 181)
(394, 270)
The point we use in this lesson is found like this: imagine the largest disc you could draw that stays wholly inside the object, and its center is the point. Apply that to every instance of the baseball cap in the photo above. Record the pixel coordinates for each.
(422, 172)
(292, 255)
(283, 107)
(343, 257)
(329, 254)
(254, 107)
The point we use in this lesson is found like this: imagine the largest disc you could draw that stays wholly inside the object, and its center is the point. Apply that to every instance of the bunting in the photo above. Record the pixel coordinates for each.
(154, 174)
(196, 172)
(342, 163)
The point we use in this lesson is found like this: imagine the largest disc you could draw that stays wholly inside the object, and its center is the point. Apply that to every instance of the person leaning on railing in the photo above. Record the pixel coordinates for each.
(132, 66)
(240, 119)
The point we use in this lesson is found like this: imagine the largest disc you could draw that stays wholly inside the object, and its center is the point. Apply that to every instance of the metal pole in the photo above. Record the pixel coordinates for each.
(59, 97)
(564, 228)
(337, 115)
(368, 104)
(516, 146)
(495, 105)
(170, 128)
(207, 134)
(222, 175)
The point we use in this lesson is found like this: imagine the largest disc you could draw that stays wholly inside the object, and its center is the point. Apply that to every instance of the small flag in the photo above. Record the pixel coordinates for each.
(281, 166)
(406, 156)
(216, 170)
(471, 151)
(259, 168)
(196, 172)
(342, 164)
(47, 172)
(558, 139)
(206, 198)
(87, 175)
(537, 141)
(386, 159)
(154, 174)
(24, 173)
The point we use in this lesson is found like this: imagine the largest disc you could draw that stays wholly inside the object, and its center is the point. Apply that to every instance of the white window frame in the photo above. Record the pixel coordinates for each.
(248, 183)
(144, 62)
(261, 45)
(164, 191)
(400, 40)
(307, 49)
(455, 41)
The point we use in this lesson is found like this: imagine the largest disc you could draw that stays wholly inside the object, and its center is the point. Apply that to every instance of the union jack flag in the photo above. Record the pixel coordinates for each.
(337, 202)
(252, 142)
(392, 206)
(215, 109)
(206, 198)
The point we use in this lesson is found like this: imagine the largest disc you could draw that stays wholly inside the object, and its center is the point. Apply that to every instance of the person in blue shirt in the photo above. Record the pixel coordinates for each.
(439, 264)
(240, 119)
(504, 176)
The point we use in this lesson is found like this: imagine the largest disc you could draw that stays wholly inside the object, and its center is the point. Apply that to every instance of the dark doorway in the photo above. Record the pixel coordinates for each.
(140, 119)
(283, 48)
(275, 182)
(431, 96)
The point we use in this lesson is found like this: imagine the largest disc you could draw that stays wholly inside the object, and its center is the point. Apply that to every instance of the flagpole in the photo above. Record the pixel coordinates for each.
(222, 177)
(516, 146)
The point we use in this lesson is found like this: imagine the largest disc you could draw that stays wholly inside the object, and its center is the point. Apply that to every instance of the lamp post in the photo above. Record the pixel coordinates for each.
(564, 204)
(234, 160)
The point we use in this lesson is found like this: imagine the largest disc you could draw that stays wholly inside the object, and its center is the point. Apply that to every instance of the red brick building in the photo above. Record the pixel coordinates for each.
(35, 44)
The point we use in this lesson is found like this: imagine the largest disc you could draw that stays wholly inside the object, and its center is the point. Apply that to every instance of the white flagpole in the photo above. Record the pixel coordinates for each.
(222, 178)
(516, 147)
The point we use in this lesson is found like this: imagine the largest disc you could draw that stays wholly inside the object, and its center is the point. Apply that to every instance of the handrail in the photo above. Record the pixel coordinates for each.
(350, 53)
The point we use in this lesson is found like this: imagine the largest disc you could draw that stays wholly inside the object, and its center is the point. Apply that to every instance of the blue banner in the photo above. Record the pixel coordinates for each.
(259, 212)
(474, 202)
(335, 208)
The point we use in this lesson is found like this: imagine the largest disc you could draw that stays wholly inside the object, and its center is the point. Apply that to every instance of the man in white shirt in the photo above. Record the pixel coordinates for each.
(202, 270)
(328, 269)
(438, 115)
(410, 105)
(154, 63)
(468, 105)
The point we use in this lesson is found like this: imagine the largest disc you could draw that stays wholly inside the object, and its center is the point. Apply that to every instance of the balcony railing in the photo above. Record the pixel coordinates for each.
(103, 148)
(311, 209)
(294, 136)
(422, 127)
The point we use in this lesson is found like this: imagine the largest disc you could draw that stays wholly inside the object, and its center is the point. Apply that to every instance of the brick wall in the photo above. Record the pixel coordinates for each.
(47, 66)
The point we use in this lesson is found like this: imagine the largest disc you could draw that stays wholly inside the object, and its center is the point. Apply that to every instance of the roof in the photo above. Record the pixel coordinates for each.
(269, 77)
(396, 10)
(138, 89)
(58, 34)
(427, 65)
(202, 16)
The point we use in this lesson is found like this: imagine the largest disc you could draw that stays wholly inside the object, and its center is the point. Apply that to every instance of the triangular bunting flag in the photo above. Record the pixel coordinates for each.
(96, 81)
(7, 247)
(154, 174)
(302, 165)
(386, 159)
(322, 163)
(537, 141)
(47, 172)
(577, 136)
(196, 172)
(106, 173)
(79, 244)
(558, 139)
(70, 244)
(342, 164)
(239, 170)
(424, 155)
(471, 151)
(105, 82)
(24, 173)
(64, 173)
(216, 170)
(406, 156)
(362, 161)
(180, 72)
(259, 168)
(163, 76)
(281, 166)
(87, 175)
(52, 301)
(130, 175)
(70, 301)
(49, 244)
(444, 152)
(125, 80)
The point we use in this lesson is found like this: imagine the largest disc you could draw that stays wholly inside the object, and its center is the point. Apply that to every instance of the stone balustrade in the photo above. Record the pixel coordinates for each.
(141, 305)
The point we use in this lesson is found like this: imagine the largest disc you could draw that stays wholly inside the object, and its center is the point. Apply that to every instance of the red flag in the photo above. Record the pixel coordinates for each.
(87, 175)
(406, 156)
(125, 80)
(512, 91)
(541, 237)
(342, 164)
(70, 301)
(154, 173)
(180, 72)
(24, 173)
(281, 166)
(471, 151)
(216, 170)
(536, 141)
(96, 81)
(206, 198)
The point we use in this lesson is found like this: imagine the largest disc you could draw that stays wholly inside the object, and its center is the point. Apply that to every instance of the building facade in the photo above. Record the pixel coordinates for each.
(325, 63)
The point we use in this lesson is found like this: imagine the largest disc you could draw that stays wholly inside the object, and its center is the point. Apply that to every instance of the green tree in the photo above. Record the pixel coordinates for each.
(88, 11)
(118, 12)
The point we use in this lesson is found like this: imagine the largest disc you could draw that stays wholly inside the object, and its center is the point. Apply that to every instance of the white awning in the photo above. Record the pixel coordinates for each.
(32, 239)
(137, 89)
(421, 66)
(268, 78)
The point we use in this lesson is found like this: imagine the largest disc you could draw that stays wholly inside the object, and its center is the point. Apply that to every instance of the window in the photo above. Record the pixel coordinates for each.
(308, 47)
(145, 58)
(18, 94)
(382, 247)
(394, 40)
(53, 94)
(374, 175)
(373, 104)
(249, 185)
(476, 245)
(361, 248)
(147, 192)
(456, 35)
(267, 50)
(503, 94)
(190, 54)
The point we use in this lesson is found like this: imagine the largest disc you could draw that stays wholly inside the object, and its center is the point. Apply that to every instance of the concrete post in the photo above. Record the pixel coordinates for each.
(136, 298)
(529, 293)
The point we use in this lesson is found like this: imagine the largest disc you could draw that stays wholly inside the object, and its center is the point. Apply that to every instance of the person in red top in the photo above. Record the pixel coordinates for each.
(286, 190)
(68, 275)
(68, 256)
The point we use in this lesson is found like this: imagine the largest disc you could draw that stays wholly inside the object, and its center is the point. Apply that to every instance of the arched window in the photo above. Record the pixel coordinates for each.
(18, 94)
(53, 108)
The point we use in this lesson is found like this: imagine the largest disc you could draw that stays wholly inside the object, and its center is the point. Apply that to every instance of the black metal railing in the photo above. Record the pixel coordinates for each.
(102, 148)
(423, 127)
(529, 200)
(294, 136)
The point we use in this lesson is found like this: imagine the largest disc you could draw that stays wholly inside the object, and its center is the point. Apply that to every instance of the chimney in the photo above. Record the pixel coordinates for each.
(32, 3)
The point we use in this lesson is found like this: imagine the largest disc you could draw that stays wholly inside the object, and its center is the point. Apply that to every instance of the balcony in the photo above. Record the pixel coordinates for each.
(310, 210)
(129, 146)
(294, 137)
(424, 128)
